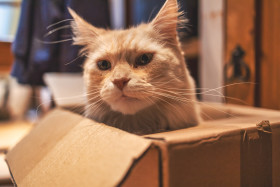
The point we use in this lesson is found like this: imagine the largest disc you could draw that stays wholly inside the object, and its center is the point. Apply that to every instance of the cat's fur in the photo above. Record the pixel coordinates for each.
(153, 98)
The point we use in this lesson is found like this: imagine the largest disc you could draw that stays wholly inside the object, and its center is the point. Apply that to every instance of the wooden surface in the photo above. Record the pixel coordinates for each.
(6, 57)
(191, 48)
(11, 132)
(240, 29)
(270, 54)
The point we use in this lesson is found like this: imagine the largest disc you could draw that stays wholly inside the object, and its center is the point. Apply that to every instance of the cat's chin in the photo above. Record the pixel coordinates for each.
(128, 105)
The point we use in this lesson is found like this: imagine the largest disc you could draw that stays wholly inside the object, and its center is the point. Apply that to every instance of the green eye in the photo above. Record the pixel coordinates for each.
(104, 65)
(144, 59)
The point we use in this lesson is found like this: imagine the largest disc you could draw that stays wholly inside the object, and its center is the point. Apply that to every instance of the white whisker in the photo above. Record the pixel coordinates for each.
(57, 29)
(73, 60)
(55, 42)
(59, 23)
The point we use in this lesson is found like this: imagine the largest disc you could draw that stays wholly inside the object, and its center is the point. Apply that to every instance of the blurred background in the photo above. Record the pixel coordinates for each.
(231, 47)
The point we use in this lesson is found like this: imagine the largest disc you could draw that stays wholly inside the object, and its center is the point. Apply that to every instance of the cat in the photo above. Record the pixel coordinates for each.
(136, 79)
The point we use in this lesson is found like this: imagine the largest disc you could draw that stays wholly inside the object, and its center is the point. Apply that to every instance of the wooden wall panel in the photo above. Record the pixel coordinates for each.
(240, 30)
(270, 54)
(6, 57)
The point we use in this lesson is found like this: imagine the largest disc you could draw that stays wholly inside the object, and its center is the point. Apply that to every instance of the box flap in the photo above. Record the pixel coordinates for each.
(67, 89)
(221, 119)
(215, 111)
(65, 149)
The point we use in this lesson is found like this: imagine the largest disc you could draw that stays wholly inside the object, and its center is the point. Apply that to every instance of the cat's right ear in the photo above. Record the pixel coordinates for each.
(167, 20)
(84, 32)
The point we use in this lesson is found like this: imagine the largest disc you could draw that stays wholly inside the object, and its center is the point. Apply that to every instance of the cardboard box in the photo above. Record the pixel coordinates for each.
(233, 147)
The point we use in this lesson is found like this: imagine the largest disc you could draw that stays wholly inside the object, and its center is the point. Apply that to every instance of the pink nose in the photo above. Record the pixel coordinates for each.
(120, 83)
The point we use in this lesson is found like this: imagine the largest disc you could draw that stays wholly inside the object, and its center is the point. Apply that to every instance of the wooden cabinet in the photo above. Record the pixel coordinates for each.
(240, 31)
(255, 26)
(268, 54)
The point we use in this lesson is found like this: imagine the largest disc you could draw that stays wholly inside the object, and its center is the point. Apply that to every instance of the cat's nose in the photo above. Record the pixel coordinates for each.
(120, 83)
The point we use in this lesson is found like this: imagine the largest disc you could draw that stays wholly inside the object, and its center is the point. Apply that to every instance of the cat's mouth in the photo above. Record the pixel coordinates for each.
(127, 104)
(128, 98)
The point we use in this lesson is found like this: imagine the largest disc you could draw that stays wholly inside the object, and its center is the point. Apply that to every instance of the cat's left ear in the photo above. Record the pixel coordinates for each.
(167, 20)
(84, 32)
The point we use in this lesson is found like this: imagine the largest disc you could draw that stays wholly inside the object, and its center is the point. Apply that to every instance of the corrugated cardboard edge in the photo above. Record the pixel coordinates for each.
(164, 158)
(275, 127)
(145, 178)
(12, 177)
(147, 145)
(256, 156)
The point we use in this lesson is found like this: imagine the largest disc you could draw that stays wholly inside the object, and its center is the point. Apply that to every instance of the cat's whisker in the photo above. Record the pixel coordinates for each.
(178, 94)
(166, 82)
(165, 101)
(183, 92)
(151, 14)
(174, 92)
(212, 107)
(62, 99)
(181, 100)
(225, 86)
(94, 86)
(57, 29)
(175, 98)
(206, 115)
(74, 107)
(227, 97)
(54, 24)
(94, 99)
(156, 77)
(207, 89)
(55, 42)
(91, 93)
(163, 86)
(70, 97)
(95, 103)
(79, 56)
(163, 83)
(189, 101)
(95, 106)
(38, 107)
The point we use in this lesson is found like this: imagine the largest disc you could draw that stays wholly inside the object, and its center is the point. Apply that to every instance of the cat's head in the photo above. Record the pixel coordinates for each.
(131, 69)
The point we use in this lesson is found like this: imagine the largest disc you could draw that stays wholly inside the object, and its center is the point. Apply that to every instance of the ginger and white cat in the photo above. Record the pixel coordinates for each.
(136, 79)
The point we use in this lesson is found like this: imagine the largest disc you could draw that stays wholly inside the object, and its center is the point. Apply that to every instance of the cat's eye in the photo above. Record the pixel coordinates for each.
(104, 65)
(144, 59)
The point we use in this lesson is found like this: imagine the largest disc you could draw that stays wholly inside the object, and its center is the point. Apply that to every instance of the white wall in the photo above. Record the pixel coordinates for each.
(212, 48)
(117, 8)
